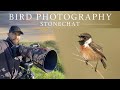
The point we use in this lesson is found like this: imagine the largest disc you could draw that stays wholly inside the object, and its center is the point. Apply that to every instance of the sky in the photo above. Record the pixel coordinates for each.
(5, 18)
(32, 30)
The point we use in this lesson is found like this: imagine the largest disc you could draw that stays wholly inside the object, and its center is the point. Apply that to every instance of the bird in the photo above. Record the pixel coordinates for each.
(91, 51)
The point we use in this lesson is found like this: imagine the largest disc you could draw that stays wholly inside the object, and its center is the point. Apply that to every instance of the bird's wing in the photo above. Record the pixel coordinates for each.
(97, 49)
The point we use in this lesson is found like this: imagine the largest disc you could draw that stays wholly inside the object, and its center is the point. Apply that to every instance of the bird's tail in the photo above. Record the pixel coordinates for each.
(104, 64)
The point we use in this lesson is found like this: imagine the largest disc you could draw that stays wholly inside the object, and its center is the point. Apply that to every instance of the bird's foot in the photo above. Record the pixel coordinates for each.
(86, 62)
(95, 69)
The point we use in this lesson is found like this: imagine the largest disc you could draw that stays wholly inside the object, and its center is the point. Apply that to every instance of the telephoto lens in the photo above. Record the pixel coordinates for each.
(44, 58)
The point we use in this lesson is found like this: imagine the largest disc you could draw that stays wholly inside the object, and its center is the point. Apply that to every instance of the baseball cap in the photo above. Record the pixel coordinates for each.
(15, 29)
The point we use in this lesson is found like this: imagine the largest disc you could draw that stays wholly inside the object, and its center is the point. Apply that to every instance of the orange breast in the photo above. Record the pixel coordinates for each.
(89, 54)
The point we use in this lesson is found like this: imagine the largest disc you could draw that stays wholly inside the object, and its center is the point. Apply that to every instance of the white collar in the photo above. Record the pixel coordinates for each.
(88, 42)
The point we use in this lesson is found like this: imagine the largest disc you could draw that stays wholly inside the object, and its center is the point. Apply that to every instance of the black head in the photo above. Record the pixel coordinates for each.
(84, 37)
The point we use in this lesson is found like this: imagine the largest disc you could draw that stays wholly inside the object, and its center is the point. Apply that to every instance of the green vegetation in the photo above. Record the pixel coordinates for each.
(39, 74)
(57, 73)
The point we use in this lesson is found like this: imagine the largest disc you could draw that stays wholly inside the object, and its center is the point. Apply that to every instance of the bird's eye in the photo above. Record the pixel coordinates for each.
(83, 37)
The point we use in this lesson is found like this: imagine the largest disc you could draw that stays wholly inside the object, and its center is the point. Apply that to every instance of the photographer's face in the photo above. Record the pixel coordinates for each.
(15, 37)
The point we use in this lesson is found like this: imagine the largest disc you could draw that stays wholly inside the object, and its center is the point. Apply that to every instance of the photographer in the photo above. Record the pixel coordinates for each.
(9, 63)
(16, 60)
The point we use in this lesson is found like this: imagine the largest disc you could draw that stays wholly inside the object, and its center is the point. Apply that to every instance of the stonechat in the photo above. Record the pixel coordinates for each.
(91, 51)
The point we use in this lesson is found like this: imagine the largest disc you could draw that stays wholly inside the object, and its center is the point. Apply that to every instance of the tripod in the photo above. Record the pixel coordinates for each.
(27, 73)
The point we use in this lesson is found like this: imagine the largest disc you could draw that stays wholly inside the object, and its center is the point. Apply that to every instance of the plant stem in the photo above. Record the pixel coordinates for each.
(88, 62)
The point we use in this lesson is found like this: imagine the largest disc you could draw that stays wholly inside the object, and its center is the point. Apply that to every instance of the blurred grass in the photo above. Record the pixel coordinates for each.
(39, 74)
(57, 73)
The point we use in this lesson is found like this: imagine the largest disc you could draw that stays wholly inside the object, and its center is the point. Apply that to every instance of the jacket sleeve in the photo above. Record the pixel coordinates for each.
(9, 67)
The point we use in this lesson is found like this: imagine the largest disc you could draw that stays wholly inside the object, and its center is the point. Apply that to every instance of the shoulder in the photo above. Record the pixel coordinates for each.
(3, 43)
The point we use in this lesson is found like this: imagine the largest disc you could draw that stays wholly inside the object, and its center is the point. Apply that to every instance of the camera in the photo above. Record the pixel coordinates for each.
(43, 58)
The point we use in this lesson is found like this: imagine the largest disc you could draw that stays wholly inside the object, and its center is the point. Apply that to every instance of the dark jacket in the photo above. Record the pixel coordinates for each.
(9, 67)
